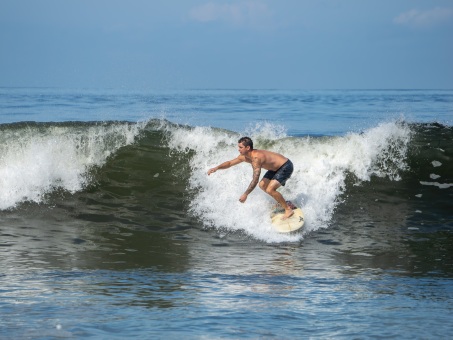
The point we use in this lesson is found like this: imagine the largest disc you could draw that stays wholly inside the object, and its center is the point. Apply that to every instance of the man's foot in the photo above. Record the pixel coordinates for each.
(288, 214)
(278, 206)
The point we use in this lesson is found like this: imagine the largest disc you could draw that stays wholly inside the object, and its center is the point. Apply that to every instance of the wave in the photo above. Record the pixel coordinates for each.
(37, 158)
(145, 167)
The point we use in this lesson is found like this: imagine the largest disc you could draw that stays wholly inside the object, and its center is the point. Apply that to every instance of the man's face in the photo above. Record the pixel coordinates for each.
(243, 149)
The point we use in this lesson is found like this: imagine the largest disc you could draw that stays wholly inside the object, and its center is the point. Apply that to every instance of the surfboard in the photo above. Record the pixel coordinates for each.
(295, 222)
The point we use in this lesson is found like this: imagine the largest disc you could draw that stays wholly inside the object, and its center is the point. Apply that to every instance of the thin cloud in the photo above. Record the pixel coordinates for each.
(426, 18)
(238, 14)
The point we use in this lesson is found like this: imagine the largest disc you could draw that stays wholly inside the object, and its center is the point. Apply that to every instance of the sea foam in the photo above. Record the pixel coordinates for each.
(37, 159)
(321, 166)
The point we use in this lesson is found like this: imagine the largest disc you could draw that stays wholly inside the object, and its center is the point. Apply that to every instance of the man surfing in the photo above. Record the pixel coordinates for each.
(279, 170)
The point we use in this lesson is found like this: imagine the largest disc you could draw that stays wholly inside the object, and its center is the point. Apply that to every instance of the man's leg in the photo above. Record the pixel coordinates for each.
(270, 187)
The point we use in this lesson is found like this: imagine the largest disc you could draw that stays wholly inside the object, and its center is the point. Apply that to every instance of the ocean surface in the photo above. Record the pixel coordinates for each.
(111, 229)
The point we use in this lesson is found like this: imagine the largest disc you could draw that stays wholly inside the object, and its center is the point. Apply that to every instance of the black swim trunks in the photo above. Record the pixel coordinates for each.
(282, 174)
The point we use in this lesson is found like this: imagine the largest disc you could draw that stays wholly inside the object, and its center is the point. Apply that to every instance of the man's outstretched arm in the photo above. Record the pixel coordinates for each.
(225, 165)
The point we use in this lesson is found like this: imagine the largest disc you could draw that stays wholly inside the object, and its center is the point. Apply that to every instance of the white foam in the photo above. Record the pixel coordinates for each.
(320, 169)
(37, 160)
(437, 184)
(436, 164)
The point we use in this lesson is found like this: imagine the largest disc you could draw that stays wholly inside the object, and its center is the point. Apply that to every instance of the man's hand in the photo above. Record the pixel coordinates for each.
(210, 171)
(243, 198)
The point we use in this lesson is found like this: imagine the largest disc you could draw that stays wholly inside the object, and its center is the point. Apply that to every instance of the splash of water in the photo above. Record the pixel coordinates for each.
(321, 167)
(37, 159)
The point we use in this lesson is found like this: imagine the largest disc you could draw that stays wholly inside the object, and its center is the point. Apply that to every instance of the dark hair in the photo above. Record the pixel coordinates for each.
(246, 141)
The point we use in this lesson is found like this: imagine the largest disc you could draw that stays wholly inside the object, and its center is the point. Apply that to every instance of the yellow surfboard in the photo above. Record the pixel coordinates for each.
(295, 222)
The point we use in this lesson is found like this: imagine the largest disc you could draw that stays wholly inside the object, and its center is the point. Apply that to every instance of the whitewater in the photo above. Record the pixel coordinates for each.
(317, 184)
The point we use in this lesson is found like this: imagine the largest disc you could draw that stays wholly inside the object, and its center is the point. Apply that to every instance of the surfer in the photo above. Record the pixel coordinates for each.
(279, 169)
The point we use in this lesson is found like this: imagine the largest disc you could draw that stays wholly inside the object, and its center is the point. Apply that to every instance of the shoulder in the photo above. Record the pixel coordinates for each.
(238, 159)
(257, 157)
(258, 154)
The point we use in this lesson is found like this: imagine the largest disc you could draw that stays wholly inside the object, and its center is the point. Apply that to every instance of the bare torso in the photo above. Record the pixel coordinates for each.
(267, 159)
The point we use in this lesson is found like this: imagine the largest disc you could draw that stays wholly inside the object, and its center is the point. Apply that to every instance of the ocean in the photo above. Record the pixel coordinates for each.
(111, 229)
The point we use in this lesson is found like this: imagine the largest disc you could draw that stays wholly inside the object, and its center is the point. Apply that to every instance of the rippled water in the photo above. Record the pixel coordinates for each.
(207, 286)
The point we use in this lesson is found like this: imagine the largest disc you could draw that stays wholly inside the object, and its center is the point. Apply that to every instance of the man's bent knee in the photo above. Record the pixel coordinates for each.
(270, 190)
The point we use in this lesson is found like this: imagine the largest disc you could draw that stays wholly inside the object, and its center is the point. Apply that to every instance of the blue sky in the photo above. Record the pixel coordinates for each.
(285, 44)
